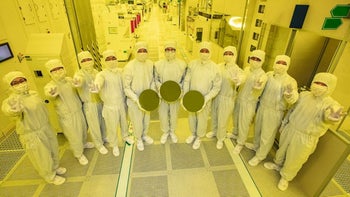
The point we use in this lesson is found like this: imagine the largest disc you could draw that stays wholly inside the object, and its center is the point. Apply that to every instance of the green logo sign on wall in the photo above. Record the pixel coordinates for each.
(338, 12)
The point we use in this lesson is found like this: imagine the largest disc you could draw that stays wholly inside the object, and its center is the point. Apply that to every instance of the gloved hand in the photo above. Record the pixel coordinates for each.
(53, 91)
(15, 105)
(335, 115)
(69, 79)
(258, 84)
(288, 91)
(235, 79)
(94, 88)
(206, 100)
(139, 105)
(76, 82)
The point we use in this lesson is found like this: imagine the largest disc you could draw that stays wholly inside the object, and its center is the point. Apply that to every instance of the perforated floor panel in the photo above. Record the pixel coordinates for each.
(178, 170)
(10, 152)
(342, 177)
(11, 143)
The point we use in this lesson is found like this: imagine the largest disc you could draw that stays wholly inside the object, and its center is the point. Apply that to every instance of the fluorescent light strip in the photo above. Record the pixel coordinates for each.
(124, 175)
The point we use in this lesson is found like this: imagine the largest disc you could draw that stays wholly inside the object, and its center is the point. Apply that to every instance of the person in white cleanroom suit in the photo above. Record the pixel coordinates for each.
(137, 77)
(110, 85)
(92, 104)
(170, 68)
(203, 75)
(247, 98)
(280, 93)
(304, 124)
(33, 127)
(223, 103)
(69, 109)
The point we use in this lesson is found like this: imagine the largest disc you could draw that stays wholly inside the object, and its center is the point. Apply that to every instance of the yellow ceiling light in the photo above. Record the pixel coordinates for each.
(235, 21)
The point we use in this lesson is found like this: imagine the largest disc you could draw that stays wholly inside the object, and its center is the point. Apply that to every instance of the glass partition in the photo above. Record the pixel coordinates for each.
(228, 32)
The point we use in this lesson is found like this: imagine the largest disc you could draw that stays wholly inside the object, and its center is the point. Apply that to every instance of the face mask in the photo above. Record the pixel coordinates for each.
(318, 90)
(228, 58)
(170, 55)
(142, 57)
(58, 75)
(21, 88)
(280, 69)
(88, 65)
(255, 64)
(204, 56)
(112, 64)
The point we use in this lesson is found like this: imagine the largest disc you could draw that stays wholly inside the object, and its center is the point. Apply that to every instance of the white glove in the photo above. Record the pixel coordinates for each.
(235, 79)
(139, 105)
(258, 84)
(53, 91)
(288, 91)
(334, 115)
(94, 88)
(15, 105)
(206, 100)
(76, 81)
(69, 79)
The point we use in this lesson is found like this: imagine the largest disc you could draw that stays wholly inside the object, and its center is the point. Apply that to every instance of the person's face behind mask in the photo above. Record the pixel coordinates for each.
(111, 62)
(58, 73)
(170, 53)
(87, 64)
(228, 57)
(204, 54)
(318, 89)
(20, 85)
(280, 67)
(255, 62)
(142, 55)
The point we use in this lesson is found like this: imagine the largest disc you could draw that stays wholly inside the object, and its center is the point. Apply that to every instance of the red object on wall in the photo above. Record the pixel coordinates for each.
(138, 18)
(135, 22)
(132, 26)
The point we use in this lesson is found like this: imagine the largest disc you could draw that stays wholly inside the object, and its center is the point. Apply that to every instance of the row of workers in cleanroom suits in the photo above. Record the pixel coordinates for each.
(105, 111)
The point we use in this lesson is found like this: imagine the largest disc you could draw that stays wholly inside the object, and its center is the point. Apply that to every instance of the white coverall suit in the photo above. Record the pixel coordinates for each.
(203, 75)
(138, 76)
(247, 98)
(33, 127)
(92, 104)
(279, 94)
(307, 122)
(223, 104)
(110, 86)
(68, 107)
(302, 127)
(170, 68)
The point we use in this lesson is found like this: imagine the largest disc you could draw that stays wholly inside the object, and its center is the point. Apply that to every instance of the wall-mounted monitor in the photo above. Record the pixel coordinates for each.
(5, 52)
(298, 17)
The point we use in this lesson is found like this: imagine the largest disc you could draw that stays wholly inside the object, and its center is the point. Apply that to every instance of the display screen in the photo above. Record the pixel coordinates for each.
(298, 17)
(5, 52)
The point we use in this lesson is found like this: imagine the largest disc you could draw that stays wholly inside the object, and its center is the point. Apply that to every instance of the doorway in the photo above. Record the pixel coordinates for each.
(81, 23)
(309, 52)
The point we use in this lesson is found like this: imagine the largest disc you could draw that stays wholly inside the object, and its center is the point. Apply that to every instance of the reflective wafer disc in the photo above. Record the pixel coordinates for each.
(193, 101)
(170, 91)
(149, 100)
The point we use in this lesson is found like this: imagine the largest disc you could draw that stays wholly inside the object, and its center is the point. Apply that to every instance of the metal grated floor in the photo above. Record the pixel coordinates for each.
(10, 152)
(11, 143)
(8, 160)
(342, 177)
